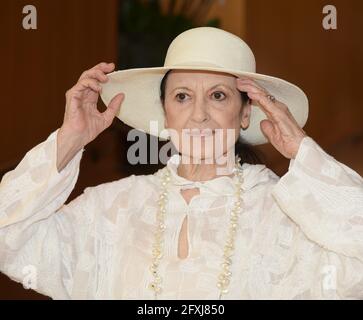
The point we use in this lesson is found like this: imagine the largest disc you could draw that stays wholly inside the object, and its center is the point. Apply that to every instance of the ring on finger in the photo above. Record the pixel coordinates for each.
(271, 97)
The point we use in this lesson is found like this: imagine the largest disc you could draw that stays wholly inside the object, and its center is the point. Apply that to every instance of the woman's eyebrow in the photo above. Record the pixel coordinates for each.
(215, 86)
(185, 88)
(221, 85)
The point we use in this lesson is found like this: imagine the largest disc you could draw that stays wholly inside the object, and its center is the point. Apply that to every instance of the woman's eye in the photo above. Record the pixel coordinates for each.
(181, 96)
(218, 95)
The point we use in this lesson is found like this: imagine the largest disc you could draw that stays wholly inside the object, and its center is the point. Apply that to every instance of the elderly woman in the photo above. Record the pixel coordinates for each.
(191, 230)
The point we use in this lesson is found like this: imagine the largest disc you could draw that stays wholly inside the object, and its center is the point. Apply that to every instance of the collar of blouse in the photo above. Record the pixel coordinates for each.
(223, 185)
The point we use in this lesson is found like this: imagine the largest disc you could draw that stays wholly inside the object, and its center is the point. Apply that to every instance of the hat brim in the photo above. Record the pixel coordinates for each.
(142, 98)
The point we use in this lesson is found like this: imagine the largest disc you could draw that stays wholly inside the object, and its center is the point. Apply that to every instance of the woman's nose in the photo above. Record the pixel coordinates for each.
(200, 111)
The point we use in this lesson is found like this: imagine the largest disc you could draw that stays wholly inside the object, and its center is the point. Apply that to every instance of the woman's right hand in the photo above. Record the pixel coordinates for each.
(82, 121)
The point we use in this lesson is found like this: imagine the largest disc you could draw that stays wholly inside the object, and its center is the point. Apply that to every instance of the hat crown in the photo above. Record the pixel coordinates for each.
(213, 47)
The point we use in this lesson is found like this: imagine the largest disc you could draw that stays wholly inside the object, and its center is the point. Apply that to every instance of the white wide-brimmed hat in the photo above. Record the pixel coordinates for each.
(202, 48)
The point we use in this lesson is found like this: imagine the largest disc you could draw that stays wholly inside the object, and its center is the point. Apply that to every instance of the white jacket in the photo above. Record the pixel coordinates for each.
(300, 236)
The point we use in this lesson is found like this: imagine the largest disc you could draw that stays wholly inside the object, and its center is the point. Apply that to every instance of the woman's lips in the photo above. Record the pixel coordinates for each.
(199, 132)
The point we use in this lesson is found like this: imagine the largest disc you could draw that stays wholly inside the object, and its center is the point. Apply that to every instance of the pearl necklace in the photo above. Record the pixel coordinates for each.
(224, 276)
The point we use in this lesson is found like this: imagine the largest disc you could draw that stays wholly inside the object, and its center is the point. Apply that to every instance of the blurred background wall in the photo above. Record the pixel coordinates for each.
(287, 38)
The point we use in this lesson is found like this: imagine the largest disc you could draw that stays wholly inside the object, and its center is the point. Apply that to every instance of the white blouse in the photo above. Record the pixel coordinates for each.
(300, 236)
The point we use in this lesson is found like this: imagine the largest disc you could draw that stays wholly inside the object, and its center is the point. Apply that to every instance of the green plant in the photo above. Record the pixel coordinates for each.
(146, 27)
(148, 16)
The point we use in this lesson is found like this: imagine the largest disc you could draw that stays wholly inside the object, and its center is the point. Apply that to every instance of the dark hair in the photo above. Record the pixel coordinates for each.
(243, 149)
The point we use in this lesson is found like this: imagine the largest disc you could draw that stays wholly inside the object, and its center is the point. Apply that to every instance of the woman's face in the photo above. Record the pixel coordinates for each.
(204, 113)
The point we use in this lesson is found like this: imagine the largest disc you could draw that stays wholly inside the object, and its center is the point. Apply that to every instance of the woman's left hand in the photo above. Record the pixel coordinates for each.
(280, 128)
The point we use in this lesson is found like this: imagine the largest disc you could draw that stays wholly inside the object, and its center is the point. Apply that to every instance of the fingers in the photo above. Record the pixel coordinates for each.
(105, 67)
(113, 108)
(274, 110)
(87, 83)
(277, 112)
(280, 116)
(90, 79)
(96, 74)
(251, 85)
(102, 68)
(76, 92)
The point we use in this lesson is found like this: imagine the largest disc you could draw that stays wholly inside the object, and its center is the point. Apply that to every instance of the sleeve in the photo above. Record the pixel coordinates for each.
(40, 236)
(325, 199)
